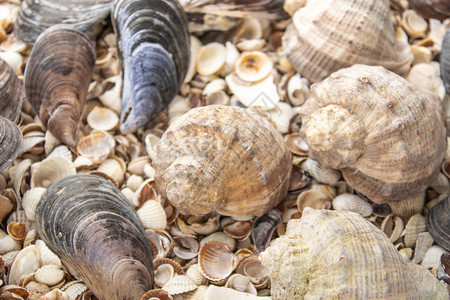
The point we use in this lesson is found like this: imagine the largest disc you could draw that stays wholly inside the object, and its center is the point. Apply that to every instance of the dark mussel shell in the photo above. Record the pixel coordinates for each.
(96, 232)
(154, 49)
(437, 9)
(264, 227)
(10, 142)
(35, 16)
(10, 93)
(438, 223)
(57, 78)
(445, 61)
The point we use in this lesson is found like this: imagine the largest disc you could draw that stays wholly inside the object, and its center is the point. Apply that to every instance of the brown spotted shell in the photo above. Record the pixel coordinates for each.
(57, 77)
(224, 159)
(328, 35)
(10, 93)
(386, 136)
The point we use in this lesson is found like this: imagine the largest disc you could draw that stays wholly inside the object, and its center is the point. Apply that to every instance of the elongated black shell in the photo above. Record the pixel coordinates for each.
(10, 93)
(95, 231)
(10, 142)
(445, 61)
(35, 16)
(153, 43)
(438, 223)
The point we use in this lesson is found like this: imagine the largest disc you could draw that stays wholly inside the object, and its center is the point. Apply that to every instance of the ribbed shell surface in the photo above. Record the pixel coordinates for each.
(10, 142)
(95, 231)
(445, 61)
(387, 137)
(154, 48)
(10, 93)
(328, 35)
(340, 255)
(35, 16)
(57, 78)
(438, 223)
(239, 157)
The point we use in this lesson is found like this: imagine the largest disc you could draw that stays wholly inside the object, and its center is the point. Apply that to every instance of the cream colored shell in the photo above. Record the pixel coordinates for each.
(339, 255)
(224, 159)
(328, 35)
(387, 137)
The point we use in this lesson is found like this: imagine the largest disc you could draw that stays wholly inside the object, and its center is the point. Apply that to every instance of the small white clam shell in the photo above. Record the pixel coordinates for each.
(74, 288)
(352, 203)
(179, 284)
(194, 273)
(50, 170)
(96, 146)
(195, 46)
(151, 140)
(102, 118)
(252, 45)
(136, 166)
(432, 258)
(9, 258)
(232, 55)
(61, 151)
(134, 182)
(426, 76)
(216, 261)
(152, 215)
(253, 66)
(178, 107)
(113, 169)
(211, 59)
(8, 244)
(49, 275)
(30, 199)
(241, 283)
(46, 256)
(214, 85)
(163, 274)
(111, 98)
(25, 263)
(13, 59)
(321, 174)
(281, 115)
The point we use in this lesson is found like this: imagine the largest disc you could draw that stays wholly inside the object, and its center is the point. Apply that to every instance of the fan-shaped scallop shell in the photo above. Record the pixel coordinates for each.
(438, 223)
(154, 48)
(10, 142)
(35, 16)
(10, 93)
(325, 255)
(387, 137)
(328, 35)
(224, 159)
(57, 77)
(95, 231)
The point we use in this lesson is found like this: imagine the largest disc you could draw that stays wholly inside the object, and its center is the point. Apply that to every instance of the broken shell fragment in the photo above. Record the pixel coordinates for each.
(253, 66)
(211, 59)
(57, 78)
(263, 228)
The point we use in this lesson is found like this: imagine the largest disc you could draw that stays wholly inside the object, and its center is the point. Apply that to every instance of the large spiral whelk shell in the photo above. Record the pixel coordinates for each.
(57, 77)
(328, 35)
(10, 93)
(85, 220)
(337, 254)
(224, 159)
(387, 137)
(154, 48)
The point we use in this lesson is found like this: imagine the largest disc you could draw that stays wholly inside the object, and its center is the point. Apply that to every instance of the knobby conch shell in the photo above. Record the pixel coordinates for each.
(339, 255)
(154, 50)
(95, 231)
(57, 78)
(222, 158)
(386, 136)
(328, 35)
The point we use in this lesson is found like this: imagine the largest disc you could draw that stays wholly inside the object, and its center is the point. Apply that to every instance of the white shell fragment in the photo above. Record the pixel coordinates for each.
(352, 203)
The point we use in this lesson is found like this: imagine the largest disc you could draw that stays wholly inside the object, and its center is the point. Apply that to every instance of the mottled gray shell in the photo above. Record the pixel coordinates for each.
(10, 93)
(57, 78)
(436, 9)
(96, 232)
(35, 16)
(10, 142)
(438, 223)
(153, 43)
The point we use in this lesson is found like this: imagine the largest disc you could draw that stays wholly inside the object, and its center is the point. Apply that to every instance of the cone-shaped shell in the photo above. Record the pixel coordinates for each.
(57, 78)
(10, 93)
(338, 254)
(387, 137)
(224, 159)
(10, 142)
(154, 48)
(445, 61)
(328, 35)
(85, 220)
(438, 223)
(35, 16)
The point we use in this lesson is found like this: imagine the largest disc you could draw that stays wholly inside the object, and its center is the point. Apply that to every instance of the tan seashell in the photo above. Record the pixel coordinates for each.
(432, 258)
(177, 268)
(441, 185)
(9, 258)
(134, 182)
(241, 283)
(55, 294)
(413, 228)
(13, 292)
(179, 284)
(25, 263)
(30, 238)
(157, 294)
(8, 244)
(232, 55)
(291, 6)
(319, 42)
(51, 141)
(414, 24)
(46, 256)
(324, 254)
(423, 243)
(195, 46)
(222, 238)
(163, 274)
(221, 293)
(198, 294)
(296, 144)
(112, 169)
(178, 107)
(136, 166)
(224, 130)
(17, 231)
(298, 90)
(250, 29)
(393, 227)
(252, 45)
(96, 146)
(421, 54)
(352, 203)
(102, 118)
(61, 151)
(427, 77)
(337, 110)
(281, 115)
(251, 267)
(318, 197)
(33, 142)
(49, 275)
(214, 85)
(194, 273)
(51, 170)
(238, 230)
(30, 199)
(111, 98)
(186, 247)
(74, 288)
(253, 66)
(34, 288)
(211, 59)
(152, 215)
(406, 253)
(321, 174)
(216, 261)
(6, 206)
